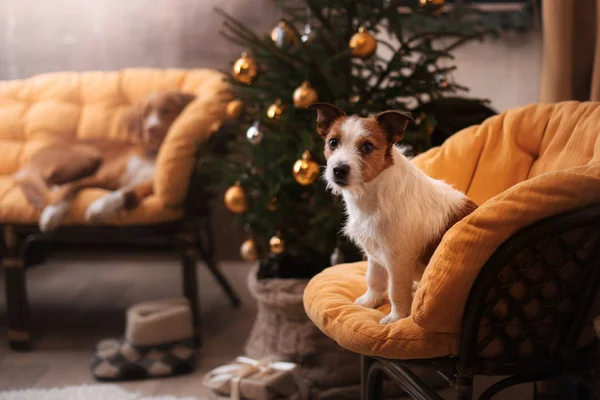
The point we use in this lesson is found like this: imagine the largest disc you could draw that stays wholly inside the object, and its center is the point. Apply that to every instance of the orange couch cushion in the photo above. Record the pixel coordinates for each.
(521, 166)
(36, 111)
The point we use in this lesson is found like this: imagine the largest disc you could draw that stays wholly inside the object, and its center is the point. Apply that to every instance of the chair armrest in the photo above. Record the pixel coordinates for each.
(198, 121)
(442, 294)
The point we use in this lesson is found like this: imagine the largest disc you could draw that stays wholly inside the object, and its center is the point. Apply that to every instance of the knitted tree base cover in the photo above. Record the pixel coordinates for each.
(282, 330)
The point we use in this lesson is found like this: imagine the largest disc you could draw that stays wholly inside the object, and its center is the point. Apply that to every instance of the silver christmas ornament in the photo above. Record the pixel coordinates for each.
(337, 257)
(254, 134)
(308, 34)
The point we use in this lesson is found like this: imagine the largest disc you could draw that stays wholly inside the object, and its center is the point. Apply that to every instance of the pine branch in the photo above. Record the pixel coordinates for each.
(316, 12)
(391, 66)
(387, 44)
(435, 35)
(463, 40)
(240, 29)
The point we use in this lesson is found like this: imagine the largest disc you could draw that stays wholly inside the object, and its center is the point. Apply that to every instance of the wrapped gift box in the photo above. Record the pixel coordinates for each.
(249, 379)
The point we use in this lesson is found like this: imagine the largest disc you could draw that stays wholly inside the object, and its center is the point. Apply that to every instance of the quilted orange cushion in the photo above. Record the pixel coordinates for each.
(38, 110)
(520, 166)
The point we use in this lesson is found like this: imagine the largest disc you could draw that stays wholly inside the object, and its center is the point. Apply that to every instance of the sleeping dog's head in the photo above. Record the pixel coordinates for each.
(148, 121)
(357, 149)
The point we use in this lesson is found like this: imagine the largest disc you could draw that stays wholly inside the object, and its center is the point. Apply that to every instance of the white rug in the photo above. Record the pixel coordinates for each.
(89, 392)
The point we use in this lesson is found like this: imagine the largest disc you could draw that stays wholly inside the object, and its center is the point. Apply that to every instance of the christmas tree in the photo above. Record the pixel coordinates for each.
(363, 56)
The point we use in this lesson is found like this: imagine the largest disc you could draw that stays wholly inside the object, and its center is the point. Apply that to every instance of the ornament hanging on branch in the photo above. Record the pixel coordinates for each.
(283, 35)
(245, 69)
(254, 134)
(273, 204)
(305, 170)
(308, 35)
(442, 81)
(235, 199)
(434, 6)
(276, 244)
(305, 95)
(427, 3)
(248, 250)
(275, 110)
(362, 44)
(235, 109)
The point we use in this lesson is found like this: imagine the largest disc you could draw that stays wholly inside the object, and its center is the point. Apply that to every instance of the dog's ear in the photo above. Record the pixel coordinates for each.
(393, 124)
(326, 114)
(181, 100)
(133, 121)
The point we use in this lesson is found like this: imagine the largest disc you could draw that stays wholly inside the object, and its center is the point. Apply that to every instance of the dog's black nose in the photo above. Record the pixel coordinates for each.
(340, 172)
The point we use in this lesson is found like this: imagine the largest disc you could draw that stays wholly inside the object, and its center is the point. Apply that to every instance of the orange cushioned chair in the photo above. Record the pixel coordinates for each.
(510, 288)
(35, 111)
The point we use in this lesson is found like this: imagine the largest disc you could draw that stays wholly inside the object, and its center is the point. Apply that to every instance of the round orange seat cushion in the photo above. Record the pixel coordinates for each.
(329, 301)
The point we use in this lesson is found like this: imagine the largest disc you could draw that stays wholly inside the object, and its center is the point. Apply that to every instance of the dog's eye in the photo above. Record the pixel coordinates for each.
(333, 143)
(366, 147)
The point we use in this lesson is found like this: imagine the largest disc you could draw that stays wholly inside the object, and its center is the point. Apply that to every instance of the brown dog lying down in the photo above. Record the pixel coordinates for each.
(55, 174)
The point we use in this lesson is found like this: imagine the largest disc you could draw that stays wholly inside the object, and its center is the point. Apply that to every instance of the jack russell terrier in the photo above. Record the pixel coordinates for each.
(396, 213)
(53, 176)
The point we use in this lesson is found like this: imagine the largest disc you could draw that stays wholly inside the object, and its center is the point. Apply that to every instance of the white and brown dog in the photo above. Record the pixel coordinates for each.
(396, 213)
(53, 176)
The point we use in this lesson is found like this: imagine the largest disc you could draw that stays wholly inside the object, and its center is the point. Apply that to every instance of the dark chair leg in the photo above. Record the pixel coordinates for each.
(464, 384)
(371, 380)
(190, 290)
(365, 365)
(207, 251)
(189, 259)
(19, 329)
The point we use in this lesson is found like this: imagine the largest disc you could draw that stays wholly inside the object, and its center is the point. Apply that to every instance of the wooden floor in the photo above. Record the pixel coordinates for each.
(78, 299)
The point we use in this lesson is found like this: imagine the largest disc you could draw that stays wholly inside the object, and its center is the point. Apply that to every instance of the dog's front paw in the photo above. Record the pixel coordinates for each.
(105, 208)
(52, 216)
(392, 317)
(370, 300)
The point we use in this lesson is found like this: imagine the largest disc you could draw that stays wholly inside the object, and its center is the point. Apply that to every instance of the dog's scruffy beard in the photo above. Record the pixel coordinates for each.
(356, 189)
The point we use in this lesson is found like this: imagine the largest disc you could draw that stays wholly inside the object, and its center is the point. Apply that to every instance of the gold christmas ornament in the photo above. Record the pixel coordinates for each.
(305, 95)
(433, 6)
(276, 244)
(235, 199)
(245, 69)
(235, 109)
(273, 206)
(283, 35)
(427, 3)
(305, 171)
(275, 110)
(248, 250)
(362, 44)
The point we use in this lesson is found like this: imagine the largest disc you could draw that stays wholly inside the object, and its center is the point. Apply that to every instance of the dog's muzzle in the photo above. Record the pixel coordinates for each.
(340, 174)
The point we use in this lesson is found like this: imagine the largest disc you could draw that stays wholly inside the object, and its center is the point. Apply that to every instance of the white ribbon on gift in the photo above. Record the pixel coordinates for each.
(245, 366)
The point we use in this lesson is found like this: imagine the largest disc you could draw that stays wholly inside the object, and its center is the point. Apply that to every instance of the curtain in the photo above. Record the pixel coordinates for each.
(571, 50)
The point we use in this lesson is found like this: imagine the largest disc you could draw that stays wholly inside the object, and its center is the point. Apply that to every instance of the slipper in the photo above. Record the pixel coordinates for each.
(159, 342)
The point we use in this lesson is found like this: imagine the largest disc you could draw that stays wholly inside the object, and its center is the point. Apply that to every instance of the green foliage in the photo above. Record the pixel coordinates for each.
(411, 71)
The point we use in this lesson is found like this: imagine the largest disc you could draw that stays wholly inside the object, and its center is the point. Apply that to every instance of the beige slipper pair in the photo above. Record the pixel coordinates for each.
(158, 342)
